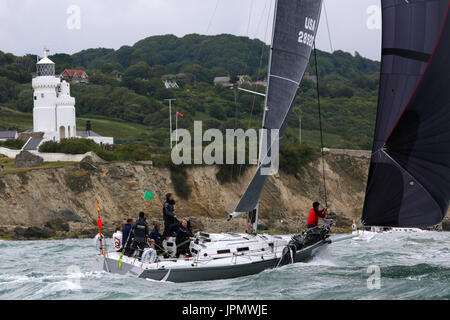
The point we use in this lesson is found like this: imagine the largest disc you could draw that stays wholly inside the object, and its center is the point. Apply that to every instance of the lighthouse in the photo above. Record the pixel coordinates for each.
(54, 108)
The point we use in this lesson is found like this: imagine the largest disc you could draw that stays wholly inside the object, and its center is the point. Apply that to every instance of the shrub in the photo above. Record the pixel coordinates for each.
(79, 181)
(132, 152)
(107, 155)
(217, 112)
(49, 147)
(161, 160)
(15, 144)
(70, 146)
(229, 173)
(294, 157)
(78, 146)
(179, 176)
(126, 152)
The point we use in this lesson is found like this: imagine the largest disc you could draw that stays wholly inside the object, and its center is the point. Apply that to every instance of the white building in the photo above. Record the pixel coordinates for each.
(170, 84)
(54, 108)
(222, 81)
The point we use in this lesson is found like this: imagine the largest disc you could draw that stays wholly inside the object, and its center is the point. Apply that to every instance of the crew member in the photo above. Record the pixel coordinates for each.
(127, 236)
(314, 214)
(117, 238)
(169, 214)
(157, 237)
(140, 230)
(183, 238)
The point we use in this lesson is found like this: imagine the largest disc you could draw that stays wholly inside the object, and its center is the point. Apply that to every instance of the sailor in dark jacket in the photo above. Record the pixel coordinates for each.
(127, 236)
(169, 214)
(157, 237)
(182, 241)
(140, 229)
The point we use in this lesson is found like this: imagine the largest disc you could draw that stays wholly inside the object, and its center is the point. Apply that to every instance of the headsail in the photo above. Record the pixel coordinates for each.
(295, 27)
(409, 177)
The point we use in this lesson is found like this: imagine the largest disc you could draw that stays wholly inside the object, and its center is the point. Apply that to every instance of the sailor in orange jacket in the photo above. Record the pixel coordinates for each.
(314, 214)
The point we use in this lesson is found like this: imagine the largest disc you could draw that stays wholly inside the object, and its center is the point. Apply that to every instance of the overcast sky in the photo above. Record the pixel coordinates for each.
(26, 26)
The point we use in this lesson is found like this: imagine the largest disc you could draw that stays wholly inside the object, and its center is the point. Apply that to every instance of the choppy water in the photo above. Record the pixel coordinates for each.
(414, 266)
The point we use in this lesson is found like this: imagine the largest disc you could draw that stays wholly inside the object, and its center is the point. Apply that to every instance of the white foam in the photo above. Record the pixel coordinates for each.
(323, 258)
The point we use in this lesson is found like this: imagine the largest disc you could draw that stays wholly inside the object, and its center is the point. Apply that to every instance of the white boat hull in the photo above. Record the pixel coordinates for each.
(260, 256)
(366, 235)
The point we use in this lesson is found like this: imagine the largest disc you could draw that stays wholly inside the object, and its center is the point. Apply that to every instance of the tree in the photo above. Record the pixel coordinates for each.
(217, 112)
(8, 90)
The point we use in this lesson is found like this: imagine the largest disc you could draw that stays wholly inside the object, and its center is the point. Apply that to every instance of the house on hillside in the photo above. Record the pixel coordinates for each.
(75, 76)
(5, 135)
(170, 84)
(262, 83)
(244, 79)
(222, 81)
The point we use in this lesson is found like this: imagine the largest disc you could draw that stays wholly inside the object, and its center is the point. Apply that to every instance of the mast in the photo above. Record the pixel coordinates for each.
(294, 29)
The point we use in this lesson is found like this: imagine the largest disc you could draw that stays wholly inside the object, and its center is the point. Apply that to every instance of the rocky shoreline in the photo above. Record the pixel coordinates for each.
(57, 203)
(61, 229)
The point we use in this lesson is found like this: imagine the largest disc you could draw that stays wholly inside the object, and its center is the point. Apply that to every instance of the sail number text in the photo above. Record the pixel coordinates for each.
(306, 37)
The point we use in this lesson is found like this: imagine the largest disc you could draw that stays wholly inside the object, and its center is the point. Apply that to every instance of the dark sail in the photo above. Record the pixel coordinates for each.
(295, 27)
(409, 177)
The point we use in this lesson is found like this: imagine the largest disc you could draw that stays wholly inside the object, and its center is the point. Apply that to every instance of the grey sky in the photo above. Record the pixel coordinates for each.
(26, 26)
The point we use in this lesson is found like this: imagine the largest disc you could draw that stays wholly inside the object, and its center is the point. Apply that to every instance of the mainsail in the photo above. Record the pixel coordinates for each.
(409, 177)
(295, 28)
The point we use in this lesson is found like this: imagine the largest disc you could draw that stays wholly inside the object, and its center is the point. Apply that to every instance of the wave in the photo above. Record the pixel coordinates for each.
(417, 272)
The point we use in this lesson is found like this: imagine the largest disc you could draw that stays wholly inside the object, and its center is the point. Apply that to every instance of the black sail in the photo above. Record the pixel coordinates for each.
(409, 176)
(295, 27)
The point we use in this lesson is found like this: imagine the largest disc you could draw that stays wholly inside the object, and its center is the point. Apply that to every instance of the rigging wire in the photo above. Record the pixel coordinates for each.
(258, 72)
(212, 17)
(235, 87)
(261, 19)
(250, 13)
(320, 126)
(328, 27)
(334, 61)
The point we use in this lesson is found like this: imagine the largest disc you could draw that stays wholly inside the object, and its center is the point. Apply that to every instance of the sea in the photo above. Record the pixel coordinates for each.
(387, 266)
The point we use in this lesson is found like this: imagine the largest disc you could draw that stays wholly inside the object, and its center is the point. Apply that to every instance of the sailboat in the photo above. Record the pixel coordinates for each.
(408, 187)
(230, 255)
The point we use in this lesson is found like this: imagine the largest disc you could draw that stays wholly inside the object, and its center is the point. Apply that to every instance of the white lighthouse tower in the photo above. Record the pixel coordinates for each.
(54, 108)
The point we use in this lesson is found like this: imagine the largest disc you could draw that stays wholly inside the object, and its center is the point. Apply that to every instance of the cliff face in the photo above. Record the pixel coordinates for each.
(64, 199)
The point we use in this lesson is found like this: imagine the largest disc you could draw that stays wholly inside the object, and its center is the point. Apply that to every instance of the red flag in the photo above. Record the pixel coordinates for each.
(180, 114)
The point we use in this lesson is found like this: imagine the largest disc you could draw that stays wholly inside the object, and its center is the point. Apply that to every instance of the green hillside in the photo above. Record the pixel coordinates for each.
(125, 95)
(121, 130)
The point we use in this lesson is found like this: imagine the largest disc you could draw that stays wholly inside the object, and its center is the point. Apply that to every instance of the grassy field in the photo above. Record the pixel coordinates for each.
(131, 132)
(121, 131)
(12, 119)
(8, 165)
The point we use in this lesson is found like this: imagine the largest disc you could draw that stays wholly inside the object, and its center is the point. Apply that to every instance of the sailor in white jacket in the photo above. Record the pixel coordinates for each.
(117, 238)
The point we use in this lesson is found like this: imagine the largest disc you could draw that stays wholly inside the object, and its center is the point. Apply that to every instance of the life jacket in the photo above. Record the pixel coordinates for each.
(313, 218)
(117, 239)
